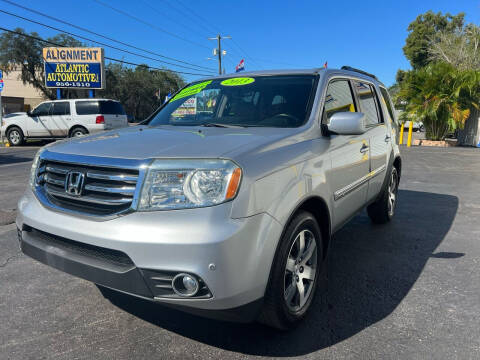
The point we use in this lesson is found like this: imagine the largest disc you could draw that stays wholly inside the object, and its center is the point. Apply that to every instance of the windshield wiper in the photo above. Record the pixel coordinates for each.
(222, 125)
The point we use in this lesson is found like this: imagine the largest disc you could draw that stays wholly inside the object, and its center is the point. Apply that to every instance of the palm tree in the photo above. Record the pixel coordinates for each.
(441, 96)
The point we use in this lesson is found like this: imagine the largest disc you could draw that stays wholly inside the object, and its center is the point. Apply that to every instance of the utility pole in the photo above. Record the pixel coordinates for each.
(218, 51)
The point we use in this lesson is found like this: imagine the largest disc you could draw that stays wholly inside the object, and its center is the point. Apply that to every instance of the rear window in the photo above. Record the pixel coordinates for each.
(99, 107)
(111, 108)
(87, 107)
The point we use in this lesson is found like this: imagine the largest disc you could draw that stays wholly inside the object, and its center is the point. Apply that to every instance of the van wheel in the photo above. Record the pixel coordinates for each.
(78, 131)
(382, 211)
(294, 274)
(15, 136)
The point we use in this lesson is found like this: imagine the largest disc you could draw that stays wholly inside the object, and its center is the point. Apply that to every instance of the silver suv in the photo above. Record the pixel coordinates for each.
(224, 201)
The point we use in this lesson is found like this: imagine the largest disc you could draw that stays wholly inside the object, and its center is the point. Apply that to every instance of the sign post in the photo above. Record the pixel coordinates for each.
(74, 68)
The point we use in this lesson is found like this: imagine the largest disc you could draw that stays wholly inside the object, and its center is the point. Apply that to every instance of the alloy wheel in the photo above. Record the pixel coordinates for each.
(14, 137)
(300, 270)
(392, 193)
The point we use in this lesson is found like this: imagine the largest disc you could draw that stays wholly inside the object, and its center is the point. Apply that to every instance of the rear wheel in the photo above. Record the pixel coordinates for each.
(15, 136)
(78, 131)
(294, 274)
(383, 209)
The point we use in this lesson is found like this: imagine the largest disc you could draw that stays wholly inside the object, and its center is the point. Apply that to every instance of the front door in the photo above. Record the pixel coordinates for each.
(38, 124)
(349, 156)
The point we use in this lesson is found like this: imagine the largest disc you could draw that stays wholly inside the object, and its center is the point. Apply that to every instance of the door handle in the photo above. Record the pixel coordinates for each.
(387, 138)
(364, 148)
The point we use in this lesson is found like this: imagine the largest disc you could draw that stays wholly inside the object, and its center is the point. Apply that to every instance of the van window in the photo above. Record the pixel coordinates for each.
(339, 98)
(111, 108)
(87, 107)
(368, 102)
(61, 108)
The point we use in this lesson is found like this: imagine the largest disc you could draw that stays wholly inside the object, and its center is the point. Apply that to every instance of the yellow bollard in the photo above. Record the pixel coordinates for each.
(410, 129)
(400, 140)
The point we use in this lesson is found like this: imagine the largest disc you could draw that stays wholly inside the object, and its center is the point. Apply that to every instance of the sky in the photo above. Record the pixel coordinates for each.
(268, 34)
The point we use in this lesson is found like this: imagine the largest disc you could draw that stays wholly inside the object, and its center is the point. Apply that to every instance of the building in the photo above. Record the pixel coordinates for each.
(17, 96)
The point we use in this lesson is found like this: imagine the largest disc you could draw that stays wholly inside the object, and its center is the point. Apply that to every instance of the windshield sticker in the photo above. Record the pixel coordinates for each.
(192, 90)
(237, 81)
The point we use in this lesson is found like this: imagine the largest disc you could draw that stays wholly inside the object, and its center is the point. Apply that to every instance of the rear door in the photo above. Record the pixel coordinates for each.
(60, 118)
(378, 135)
(114, 114)
(349, 155)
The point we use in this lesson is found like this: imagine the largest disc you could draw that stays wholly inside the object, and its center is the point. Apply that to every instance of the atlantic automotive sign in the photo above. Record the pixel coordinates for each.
(74, 67)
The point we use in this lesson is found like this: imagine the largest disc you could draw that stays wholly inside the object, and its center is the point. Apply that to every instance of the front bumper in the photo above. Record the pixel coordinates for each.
(189, 241)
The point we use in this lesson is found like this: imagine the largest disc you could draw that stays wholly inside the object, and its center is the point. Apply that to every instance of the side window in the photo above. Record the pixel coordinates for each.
(388, 103)
(42, 109)
(61, 108)
(87, 107)
(368, 102)
(111, 108)
(339, 98)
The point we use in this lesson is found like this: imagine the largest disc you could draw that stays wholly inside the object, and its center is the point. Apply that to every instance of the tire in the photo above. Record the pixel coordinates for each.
(283, 306)
(78, 131)
(15, 136)
(383, 210)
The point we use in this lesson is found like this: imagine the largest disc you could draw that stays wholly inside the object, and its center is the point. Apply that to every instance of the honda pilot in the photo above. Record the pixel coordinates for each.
(224, 201)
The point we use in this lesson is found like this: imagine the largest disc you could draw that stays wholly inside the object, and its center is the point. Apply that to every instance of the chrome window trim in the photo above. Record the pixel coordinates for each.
(357, 183)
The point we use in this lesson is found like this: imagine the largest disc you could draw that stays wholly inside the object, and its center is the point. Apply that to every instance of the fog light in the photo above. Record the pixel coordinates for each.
(185, 285)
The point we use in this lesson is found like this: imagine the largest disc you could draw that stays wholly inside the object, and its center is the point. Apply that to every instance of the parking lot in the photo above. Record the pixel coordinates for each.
(408, 289)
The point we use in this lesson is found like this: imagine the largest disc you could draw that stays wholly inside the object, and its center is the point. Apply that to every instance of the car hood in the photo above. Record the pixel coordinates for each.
(143, 142)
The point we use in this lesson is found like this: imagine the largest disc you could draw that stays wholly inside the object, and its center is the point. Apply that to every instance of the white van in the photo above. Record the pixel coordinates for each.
(64, 118)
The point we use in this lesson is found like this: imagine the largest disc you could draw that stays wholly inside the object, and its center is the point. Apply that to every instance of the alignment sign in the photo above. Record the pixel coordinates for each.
(74, 67)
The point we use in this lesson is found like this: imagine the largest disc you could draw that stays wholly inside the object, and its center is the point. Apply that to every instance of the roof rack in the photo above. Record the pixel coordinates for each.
(349, 68)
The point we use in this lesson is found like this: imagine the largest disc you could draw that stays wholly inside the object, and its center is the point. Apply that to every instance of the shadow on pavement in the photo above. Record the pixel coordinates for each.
(371, 269)
(6, 159)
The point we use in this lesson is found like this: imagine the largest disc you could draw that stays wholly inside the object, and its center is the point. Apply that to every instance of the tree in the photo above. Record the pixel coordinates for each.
(140, 90)
(423, 29)
(25, 52)
(460, 48)
(441, 96)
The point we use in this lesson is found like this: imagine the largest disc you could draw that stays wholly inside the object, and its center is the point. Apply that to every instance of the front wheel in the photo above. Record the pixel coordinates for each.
(382, 211)
(294, 275)
(15, 136)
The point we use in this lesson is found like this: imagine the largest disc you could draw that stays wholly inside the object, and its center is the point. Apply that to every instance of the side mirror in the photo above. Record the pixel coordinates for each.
(347, 123)
(29, 113)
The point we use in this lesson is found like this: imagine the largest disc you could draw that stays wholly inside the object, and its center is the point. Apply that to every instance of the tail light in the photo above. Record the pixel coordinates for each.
(100, 119)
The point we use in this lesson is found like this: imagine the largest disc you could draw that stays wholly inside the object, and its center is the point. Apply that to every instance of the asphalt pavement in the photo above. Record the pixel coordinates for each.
(406, 290)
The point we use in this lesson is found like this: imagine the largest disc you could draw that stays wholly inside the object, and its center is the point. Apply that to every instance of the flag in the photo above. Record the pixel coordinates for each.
(240, 66)
(325, 65)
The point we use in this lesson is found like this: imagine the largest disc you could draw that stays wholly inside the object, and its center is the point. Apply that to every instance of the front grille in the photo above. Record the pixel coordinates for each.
(104, 190)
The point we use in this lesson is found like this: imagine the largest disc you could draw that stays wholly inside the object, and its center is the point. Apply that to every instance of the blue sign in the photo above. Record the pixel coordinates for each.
(81, 68)
(73, 75)
(1, 74)
(1, 85)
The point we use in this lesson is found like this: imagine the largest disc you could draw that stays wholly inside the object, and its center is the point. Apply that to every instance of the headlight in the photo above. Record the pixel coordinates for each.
(33, 170)
(182, 184)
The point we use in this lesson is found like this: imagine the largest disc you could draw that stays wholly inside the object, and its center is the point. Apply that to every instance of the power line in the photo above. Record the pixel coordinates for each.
(100, 35)
(96, 42)
(106, 57)
(147, 23)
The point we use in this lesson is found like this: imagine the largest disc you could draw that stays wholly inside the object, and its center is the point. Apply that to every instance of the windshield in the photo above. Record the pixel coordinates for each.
(271, 101)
